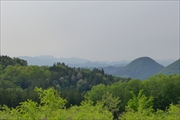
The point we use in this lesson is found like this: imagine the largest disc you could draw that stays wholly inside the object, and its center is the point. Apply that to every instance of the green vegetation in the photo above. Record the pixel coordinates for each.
(18, 80)
(52, 106)
(61, 92)
(173, 68)
(140, 108)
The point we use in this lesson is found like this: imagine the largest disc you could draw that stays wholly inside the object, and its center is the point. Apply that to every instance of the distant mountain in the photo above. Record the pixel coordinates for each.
(141, 68)
(111, 70)
(173, 68)
(48, 60)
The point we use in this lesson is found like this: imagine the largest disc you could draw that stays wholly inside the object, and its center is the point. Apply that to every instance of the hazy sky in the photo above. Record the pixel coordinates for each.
(103, 30)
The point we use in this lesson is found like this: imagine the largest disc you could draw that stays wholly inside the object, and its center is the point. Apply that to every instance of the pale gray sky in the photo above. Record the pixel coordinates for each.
(104, 30)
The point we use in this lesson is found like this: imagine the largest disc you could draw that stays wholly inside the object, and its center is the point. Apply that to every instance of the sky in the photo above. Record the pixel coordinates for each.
(93, 30)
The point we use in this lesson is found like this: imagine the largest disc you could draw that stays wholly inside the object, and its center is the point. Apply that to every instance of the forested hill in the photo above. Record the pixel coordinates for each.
(141, 68)
(6, 60)
(173, 68)
(72, 82)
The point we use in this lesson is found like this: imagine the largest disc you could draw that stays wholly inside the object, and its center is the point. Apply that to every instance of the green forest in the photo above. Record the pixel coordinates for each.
(65, 93)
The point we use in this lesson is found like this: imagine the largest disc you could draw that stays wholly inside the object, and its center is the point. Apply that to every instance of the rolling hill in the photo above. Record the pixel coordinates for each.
(141, 68)
(173, 68)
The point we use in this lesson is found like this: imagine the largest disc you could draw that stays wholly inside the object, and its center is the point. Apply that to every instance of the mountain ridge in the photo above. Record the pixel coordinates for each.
(72, 62)
(80, 62)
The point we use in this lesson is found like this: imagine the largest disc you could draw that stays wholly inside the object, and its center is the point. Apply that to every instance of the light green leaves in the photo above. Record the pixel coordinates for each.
(140, 102)
(52, 106)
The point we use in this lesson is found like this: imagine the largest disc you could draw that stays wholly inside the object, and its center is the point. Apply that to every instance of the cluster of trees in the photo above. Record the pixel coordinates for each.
(5, 61)
(85, 94)
(140, 108)
(18, 81)
(52, 106)
(165, 90)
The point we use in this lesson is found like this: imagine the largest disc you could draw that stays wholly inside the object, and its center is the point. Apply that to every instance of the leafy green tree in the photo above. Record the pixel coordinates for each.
(87, 111)
(111, 103)
(82, 85)
(139, 107)
(96, 93)
(140, 102)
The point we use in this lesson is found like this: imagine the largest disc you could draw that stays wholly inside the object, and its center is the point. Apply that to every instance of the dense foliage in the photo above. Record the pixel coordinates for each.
(84, 94)
(52, 106)
(164, 90)
(18, 81)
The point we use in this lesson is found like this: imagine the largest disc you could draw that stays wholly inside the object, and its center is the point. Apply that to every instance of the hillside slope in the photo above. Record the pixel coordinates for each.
(173, 68)
(141, 68)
